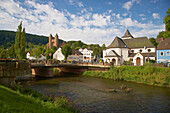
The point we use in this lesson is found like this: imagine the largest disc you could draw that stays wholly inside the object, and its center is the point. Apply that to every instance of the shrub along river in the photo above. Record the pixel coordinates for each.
(97, 95)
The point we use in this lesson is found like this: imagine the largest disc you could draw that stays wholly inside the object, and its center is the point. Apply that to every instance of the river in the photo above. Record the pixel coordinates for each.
(91, 95)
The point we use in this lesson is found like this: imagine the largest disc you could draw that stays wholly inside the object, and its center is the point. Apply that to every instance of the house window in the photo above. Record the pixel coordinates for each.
(131, 59)
(168, 53)
(161, 53)
(149, 50)
(140, 50)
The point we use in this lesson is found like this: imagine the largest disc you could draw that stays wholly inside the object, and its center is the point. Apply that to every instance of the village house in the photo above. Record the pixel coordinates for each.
(87, 55)
(76, 56)
(136, 50)
(58, 55)
(163, 51)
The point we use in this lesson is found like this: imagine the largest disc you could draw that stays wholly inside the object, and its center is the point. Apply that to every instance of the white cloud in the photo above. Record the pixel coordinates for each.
(156, 15)
(143, 18)
(127, 22)
(141, 15)
(129, 4)
(44, 19)
(124, 14)
(118, 16)
(76, 3)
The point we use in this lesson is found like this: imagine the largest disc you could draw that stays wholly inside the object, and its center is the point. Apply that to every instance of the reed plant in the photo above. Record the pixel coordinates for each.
(147, 74)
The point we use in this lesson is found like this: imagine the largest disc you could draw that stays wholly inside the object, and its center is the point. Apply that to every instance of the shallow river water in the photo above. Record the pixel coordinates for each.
(91, 95)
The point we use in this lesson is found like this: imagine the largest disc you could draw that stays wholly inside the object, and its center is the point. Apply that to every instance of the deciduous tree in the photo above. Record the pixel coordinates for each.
(66, 50)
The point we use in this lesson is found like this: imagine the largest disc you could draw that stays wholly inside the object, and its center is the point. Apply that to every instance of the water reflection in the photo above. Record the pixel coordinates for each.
(92, 95)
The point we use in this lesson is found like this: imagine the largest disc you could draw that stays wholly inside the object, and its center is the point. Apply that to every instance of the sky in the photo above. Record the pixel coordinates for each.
(91, 21)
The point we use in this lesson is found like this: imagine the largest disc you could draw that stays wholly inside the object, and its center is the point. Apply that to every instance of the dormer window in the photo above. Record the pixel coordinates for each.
(132, 51)
(149, 50)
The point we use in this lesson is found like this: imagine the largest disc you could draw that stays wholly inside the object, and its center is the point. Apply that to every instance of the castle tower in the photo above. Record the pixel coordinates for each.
(50, 41)
(56, 40)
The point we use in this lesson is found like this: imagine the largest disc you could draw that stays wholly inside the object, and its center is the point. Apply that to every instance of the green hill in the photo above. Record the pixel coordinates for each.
(7, 38)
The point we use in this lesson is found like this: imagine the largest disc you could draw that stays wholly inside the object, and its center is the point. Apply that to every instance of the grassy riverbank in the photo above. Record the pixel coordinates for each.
(141, 74)
(15, 102)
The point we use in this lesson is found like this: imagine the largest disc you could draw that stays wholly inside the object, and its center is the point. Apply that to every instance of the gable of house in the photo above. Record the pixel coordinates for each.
(112, 53)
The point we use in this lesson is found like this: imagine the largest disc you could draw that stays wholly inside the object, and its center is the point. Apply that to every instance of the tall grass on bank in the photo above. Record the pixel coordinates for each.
(141, 74)
(26, 100)
(14, 102)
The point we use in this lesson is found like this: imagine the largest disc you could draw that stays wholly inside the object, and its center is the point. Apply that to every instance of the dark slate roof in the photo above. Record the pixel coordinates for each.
(148, 54)
(76, 52)
(132, 54)
(117, 43)
(138, 42)
(165, 44)
(127, 34)
(143, 54)
(112, 53)
(158, 40)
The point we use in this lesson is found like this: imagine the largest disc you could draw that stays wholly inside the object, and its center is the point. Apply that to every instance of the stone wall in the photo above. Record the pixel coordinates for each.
(9, 70)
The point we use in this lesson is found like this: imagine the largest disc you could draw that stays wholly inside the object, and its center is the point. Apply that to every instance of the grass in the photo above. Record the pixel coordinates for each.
(146, 74)
(15, 102)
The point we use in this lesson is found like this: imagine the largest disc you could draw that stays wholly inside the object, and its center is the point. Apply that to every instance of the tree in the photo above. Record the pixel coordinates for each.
(66, 50)
(161, 34)
(3, 54)
(36, 52)
(153, 41)
(103, 46)
(167, 20)
(54, 48)
(20, 43)
(11, 52)
(166, 34)
(47, 53)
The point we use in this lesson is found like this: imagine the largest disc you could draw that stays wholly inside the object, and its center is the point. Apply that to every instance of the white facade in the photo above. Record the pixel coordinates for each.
(120, 51)
(87, 55)
(137, 50)
(58, 55)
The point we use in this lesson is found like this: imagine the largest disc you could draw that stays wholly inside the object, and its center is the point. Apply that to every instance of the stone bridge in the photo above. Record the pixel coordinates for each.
(46, 70)
(9, 69)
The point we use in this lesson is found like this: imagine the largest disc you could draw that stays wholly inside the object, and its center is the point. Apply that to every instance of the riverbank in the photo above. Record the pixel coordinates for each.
(147, 74)
(15, 102)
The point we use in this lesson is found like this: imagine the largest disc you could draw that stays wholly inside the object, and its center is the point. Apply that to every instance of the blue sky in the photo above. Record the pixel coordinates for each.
(91, 21)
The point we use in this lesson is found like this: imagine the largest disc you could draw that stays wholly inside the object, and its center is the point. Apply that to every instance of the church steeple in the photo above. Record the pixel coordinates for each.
(127, 35)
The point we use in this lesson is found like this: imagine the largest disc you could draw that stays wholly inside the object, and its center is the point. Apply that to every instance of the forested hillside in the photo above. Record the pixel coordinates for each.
(7, 38)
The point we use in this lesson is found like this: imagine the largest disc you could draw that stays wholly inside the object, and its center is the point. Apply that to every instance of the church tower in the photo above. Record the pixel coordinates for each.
(56, 40)
(50, 41)
(127, 35)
